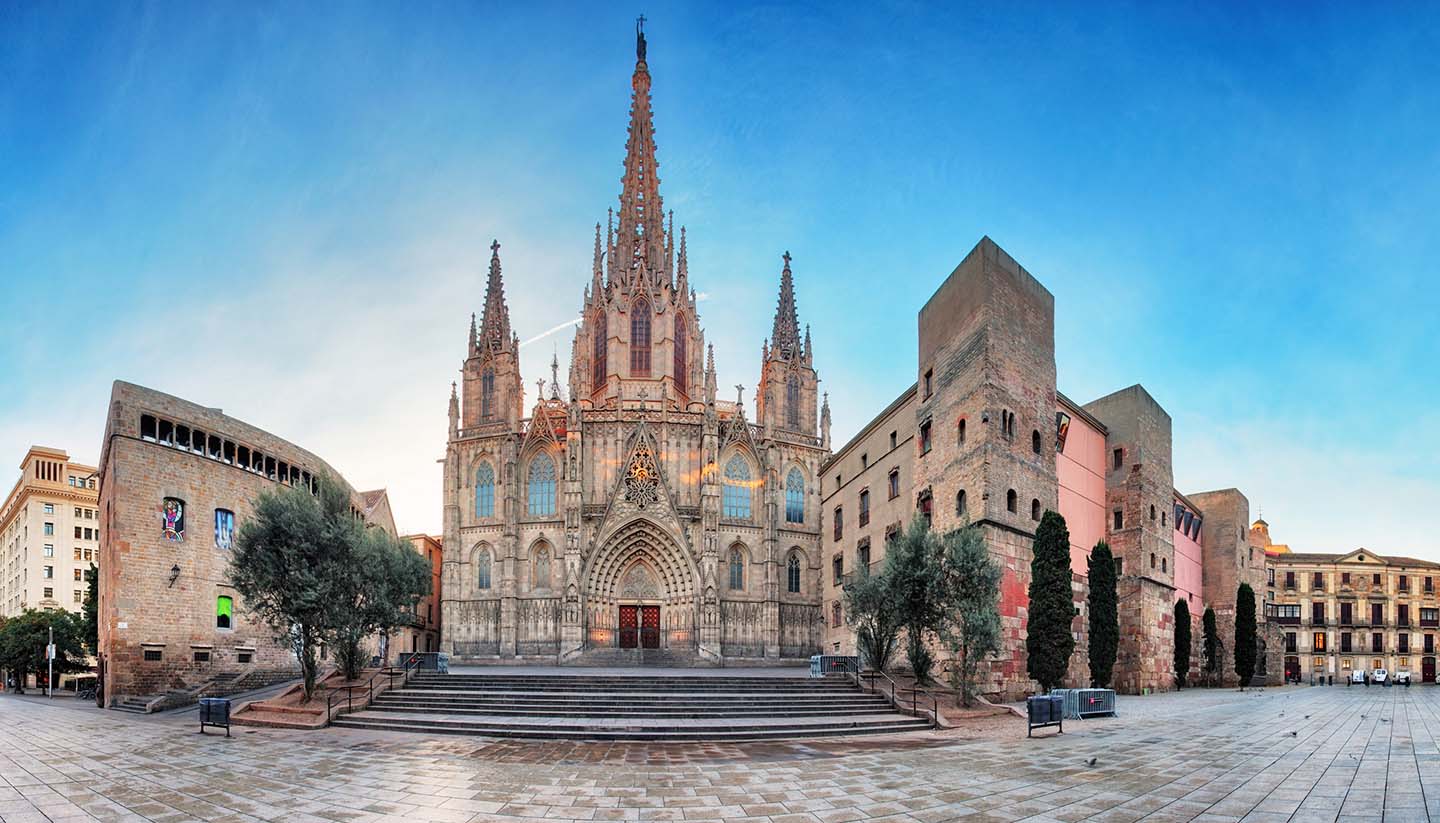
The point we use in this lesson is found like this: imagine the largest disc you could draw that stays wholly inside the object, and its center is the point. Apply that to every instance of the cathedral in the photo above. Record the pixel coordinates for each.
(634, 516)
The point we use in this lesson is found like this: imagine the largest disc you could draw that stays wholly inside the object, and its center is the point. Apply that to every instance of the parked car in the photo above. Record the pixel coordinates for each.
(1357, 676)
(1402, 678)
(1380, 677)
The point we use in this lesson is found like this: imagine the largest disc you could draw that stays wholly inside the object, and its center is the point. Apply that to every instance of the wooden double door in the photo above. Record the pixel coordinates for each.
(639, 627)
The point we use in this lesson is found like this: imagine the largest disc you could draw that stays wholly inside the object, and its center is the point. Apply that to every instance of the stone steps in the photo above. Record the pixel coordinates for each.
(618, 707)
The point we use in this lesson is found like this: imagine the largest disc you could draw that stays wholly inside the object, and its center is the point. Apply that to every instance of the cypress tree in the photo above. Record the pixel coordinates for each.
(1182, 642)
(1048, 641)
(1244, 633)
(1104, 619)
(1212, 644)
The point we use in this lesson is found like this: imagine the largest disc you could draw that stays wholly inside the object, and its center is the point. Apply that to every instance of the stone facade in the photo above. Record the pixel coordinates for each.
(175, 481)
(1231, 558)
(424, 634)
(634, 515)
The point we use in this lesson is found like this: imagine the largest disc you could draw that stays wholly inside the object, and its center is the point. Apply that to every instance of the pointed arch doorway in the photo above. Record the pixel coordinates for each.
(640, 592)
(639, 608)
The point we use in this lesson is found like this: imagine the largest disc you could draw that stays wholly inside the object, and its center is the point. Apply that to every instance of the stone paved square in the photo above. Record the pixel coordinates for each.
(1356, 753)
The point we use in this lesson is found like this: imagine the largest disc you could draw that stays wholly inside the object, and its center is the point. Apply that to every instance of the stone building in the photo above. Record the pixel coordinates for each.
(634, 514)
(984, 437)
(49, 533)
(175, 481)
(423, 635)
(1338, 613)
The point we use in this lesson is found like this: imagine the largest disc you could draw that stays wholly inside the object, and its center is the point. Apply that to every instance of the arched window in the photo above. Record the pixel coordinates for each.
(737, 570)
(542, 568)
(224, 612)
(1152, 560)
(736, 486)
(960, 432)
(484, 491)
(1034, 509)
(1164, 562)
(682, 359)
(792, 575)
(542, 485)
(1035, 441)
(1010, 501)
(1152, 512)
(794, 497)
(487, 394)
(482, 570)
(960, 507)
(792, 402)
(598, 363)
(640, 339)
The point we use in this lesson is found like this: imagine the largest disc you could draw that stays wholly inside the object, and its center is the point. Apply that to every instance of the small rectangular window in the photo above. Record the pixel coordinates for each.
(202, 657)
(182, 436)
(147, 427)
(244, 657)
(892, 439)
(227, 454)
(152, 655)
(1119, 517)
(1118, 458)
(929, 374)
(925, 437)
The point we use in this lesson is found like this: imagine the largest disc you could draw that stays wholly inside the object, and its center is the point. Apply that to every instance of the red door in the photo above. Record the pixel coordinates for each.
(1427, 670)
(629, 626)
(650, 627)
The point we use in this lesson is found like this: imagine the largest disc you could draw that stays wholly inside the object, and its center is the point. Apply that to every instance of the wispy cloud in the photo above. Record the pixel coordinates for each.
(544, 334)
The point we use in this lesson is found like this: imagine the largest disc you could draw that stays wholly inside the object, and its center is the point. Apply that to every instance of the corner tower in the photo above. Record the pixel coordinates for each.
(787, 397)
(492, 391)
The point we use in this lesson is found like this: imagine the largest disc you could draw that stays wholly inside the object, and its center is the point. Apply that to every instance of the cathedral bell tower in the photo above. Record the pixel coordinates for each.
(789, 385)
(492, 389)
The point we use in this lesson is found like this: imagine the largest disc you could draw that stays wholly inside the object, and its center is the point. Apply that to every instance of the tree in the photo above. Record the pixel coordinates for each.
(286, 558)
(869, 612)
(89, 615)
(1104, 616)
(970, 603)
(24, 636)
(386, 579)
(1244, 633)
(912, 564)
(1211, 642)
(1182, 642)
(1048, 641)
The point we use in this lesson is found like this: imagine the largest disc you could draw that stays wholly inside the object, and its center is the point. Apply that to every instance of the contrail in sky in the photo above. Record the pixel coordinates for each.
(544, 334)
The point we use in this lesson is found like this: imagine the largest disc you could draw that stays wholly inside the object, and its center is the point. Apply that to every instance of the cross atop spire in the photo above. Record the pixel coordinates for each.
(495, 320)
(785, 337)
(641, 238)
(640, 39)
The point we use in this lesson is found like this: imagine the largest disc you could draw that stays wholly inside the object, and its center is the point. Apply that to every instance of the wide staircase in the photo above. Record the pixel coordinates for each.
(651, 706)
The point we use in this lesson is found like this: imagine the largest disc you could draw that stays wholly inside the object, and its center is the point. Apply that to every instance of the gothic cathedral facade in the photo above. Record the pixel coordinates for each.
(635, 517)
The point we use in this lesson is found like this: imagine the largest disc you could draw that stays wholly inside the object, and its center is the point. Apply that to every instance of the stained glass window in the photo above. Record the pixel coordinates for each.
(542, 568)
(542, 486)
(737, 569)
(172, 513)
(792, 402)
(485, 491)
(640, 339)
(224, 612)
(792, 576)
(736, 497)
(794, 497)
(682, 361)
(487, 394)
(482, 570)
(224, 529)
(597, 377)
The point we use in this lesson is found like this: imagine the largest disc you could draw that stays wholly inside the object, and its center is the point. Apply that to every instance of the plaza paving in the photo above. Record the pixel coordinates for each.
(1356, 754)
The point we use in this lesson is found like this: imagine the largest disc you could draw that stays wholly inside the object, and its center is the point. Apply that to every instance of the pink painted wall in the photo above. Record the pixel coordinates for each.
(1081, 472)
(1188, 567)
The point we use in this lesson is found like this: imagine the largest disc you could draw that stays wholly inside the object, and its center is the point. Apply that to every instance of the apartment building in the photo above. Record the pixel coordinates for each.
(49, 533)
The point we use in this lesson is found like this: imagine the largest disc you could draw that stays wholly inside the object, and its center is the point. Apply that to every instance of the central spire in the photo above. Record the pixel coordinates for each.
(495, 321)
(640, 242)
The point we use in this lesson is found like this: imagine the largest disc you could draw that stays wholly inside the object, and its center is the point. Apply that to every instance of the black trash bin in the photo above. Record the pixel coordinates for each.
(1044, 710)
(215, 711)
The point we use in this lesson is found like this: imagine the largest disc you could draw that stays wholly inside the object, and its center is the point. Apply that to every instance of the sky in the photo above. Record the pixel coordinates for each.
(285, 211)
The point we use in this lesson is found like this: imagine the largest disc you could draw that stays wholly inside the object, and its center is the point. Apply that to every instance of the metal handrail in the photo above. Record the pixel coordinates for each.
(894, 687)
(387, 672)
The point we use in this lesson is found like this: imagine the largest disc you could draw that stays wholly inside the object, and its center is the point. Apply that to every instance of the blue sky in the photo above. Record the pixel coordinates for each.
(286, 212)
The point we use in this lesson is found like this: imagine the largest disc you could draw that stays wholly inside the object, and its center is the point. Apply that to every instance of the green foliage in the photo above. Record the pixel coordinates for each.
(1104, 616)
(868, 611)
(309, 568)
(1182, 642)
(912, 562)
(1244, 633)
(23, 639)
(1211, 635)
(970, 606)
(1048, 641)
(90, 611)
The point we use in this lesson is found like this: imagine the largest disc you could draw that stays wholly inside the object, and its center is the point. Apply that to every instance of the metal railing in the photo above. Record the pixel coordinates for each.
(895, 691)
(347, 703)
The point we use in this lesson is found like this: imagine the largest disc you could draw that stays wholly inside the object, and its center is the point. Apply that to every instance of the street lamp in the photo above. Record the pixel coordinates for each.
(174, 574)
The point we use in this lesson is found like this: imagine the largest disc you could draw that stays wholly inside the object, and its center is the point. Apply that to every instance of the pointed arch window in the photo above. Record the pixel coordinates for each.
(599, 365)
(792, 402)
(737, 569)
(542, 568)
(482, 570)
(487, 394)
(794, 497)
(792, 574)
(484, 491)
(542, 486)
(736, 487)
(682, 359)
(640, 339)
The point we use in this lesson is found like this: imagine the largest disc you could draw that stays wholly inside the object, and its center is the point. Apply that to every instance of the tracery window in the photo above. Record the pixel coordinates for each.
(682, 360)
(487, 394)
(482, 570)
(736, 486)
(542, 568)
(794, 497)
(640, 339)
(642, 478)
(737, 569)
(542, 486)
(484, 491)
(601, 349)
(792, 402)
(792, 574)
